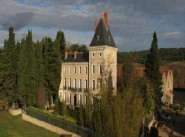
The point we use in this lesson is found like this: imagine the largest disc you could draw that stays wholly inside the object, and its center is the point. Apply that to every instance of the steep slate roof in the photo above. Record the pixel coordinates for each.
(80, 57)
(102, 35)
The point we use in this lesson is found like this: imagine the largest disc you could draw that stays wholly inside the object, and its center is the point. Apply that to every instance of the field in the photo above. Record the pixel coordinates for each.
(14, 126)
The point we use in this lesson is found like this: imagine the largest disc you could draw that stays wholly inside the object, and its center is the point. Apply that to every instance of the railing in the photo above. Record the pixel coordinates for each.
(75, 89)
(71, 127)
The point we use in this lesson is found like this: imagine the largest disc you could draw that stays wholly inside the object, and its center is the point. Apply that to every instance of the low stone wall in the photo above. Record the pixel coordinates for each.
(47, 126)
(15, 112)
(151, 123)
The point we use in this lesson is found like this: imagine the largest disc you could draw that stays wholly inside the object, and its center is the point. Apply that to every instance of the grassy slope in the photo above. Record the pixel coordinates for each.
(14, 126)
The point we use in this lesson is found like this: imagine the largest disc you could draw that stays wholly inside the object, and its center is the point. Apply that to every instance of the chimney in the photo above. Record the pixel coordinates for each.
(95, 24)
(106, 19)
(75, 54)
(65, 54)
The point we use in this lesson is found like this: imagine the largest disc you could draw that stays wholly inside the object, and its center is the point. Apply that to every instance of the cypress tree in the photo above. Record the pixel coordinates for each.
(27, 72)
(52, 67)
(96, 117)
(60, 42)
(152, 72)
(1, 74)
(41, 98)
(88, 112)
(10, 59)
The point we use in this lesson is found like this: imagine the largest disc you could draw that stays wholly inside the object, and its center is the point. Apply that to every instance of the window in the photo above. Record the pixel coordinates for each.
(86, 85)
(93, 69)
(65, 82)
(75, 83)
(65, 96)
(93, 85)
(93, 54)
(99, 85)
(80, 83)
(80, 99)
(70, 98)
(86, 70)
(100, 69)
(100, 54)
(69, 83)
(80, 70)
(97, 37)
(75, 70)
(85, 101)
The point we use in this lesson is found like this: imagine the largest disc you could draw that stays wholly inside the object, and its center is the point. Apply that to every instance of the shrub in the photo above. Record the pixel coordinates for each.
(182, 105)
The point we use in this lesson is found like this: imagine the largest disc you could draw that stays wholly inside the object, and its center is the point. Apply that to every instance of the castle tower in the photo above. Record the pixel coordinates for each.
(84, 72)
(102, 57)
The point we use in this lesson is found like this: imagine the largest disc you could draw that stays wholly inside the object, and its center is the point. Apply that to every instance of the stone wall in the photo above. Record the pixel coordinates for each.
(15, 112)
(47, 126)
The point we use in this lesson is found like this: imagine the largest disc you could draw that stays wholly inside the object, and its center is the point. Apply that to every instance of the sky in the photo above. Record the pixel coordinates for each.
(131, 22)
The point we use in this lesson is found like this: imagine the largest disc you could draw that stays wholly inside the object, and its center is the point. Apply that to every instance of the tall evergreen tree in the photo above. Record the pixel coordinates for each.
(52, 67)
(41, 98)
(27, 72)
(96, 117)
(1, 73)
(61, 43)
(152, 72)
(10, 66)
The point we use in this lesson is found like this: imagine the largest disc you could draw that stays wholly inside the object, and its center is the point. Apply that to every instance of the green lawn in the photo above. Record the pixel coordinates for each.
(14, 126)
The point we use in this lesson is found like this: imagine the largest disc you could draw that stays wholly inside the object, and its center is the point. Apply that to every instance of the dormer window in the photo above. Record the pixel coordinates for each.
(97, 37)
(93, 54)
(100, 54)
(109, 38)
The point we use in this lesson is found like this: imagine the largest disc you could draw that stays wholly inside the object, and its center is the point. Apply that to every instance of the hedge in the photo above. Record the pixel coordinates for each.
(71, 127)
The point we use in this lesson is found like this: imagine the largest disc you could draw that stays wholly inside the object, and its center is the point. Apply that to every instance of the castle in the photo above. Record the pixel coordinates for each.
(83, 73)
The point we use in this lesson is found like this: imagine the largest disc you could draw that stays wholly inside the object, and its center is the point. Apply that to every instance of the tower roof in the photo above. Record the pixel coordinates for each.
(102, 35)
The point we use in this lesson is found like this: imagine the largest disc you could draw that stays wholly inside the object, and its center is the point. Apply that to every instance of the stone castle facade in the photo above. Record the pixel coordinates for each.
(83, 73)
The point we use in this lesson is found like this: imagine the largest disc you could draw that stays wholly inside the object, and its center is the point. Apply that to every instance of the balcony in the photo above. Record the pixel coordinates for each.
(86, 90)
(75, 89)
(65, 87)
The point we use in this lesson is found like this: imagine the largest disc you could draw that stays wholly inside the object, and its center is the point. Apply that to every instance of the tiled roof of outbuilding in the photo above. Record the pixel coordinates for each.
(140, 70)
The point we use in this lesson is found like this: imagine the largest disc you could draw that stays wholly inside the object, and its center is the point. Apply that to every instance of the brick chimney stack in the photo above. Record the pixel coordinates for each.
(65, 54)
(75, 54)
(95, 24)
(106, 19)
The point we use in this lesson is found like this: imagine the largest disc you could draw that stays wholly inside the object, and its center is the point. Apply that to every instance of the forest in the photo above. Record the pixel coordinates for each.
(165, 55)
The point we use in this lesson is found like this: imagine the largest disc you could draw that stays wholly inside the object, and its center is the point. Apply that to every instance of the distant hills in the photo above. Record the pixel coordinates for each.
(165, 55)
